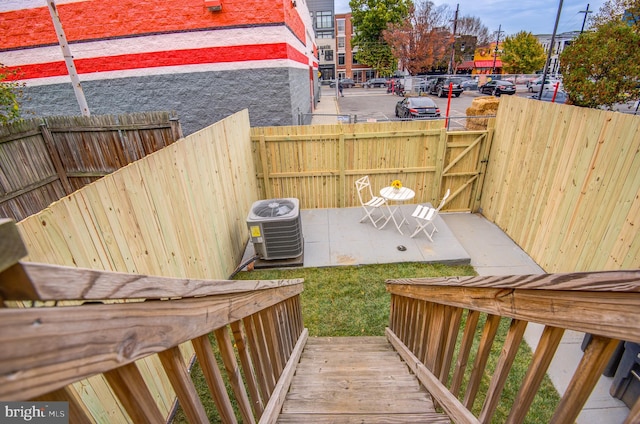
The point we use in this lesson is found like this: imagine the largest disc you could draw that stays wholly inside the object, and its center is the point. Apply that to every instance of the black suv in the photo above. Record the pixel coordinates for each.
(441, 87)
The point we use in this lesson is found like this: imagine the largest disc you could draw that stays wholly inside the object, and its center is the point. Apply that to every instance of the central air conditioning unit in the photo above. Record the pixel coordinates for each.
(276, 228)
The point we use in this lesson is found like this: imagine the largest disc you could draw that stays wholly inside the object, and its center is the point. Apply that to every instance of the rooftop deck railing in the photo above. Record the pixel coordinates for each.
(430, 316)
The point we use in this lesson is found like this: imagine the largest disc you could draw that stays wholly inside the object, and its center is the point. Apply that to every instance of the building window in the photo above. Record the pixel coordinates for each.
(341, 59)
(341, 42)
(324, 19)
(353, 58)
(325, 34)
(328, 55)
(340, 24)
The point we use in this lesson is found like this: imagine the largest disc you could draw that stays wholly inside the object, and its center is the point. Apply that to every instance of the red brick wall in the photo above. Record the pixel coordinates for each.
(97, 19)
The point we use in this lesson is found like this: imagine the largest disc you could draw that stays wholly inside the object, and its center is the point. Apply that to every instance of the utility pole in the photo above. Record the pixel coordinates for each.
(495, 53)
(68, 59)
(553, 40)
(584, 21)
(453, 46)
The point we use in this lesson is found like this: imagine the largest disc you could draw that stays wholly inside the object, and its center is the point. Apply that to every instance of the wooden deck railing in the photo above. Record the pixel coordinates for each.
(427, 315)
(60, 325)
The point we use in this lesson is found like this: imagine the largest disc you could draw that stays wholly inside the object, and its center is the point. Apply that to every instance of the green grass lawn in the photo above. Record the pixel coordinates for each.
(352, 301)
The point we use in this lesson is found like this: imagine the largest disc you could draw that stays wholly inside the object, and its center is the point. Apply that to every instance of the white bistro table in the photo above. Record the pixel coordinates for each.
(401, 195)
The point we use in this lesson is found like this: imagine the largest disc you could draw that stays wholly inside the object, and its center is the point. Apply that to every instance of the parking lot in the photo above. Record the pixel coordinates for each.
(364, 104)
(376, 103)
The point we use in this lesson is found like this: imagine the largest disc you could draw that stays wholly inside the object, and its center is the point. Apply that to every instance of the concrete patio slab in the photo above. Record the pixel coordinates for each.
(335, 237)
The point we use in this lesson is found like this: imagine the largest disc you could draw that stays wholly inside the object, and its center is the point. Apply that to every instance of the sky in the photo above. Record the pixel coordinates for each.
(513, 16)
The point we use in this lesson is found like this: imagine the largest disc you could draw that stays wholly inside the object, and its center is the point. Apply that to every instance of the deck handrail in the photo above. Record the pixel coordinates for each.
(425, 323)
(78, 323)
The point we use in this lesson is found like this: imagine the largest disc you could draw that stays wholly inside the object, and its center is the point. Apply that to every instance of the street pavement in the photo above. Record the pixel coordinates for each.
(362, 104)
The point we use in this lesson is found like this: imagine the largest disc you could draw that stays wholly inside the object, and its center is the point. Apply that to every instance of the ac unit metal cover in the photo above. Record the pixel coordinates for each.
(276, 228)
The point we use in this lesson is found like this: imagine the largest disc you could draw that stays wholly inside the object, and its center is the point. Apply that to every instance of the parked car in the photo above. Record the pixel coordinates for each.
(549, 84)
(376, 82)
(441, 87)
(425, 84)
(547, 96)
(346, 83)
(417, 107)
(498, 88)
(470, 84)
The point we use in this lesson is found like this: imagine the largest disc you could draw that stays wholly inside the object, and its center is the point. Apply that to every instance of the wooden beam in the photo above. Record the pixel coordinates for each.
(127, 332)
(132, 391)
(51, 282)
(178, 375)
(447, 401)
(272, 410)
(212, 375)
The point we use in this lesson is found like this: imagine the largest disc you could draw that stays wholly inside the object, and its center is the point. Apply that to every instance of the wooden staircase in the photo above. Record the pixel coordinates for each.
(355, 380)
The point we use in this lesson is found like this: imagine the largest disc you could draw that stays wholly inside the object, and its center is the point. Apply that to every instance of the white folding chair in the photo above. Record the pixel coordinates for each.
(370, 203)
(425, 215)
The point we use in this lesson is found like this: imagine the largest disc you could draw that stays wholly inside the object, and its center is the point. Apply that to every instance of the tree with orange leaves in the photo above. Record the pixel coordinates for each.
(422, 39)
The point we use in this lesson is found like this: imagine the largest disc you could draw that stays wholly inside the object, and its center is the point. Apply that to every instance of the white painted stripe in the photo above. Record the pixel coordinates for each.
(184, 69)
(156, 43)
(12, 5)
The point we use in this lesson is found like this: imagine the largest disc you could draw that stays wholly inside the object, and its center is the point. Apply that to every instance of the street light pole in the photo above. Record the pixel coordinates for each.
(495, 52)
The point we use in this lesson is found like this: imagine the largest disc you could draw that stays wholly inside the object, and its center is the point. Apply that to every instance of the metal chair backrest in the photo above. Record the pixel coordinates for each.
(363, 184)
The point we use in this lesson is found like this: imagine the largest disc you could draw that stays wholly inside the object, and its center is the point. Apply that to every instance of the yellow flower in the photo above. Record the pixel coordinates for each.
(396, 184)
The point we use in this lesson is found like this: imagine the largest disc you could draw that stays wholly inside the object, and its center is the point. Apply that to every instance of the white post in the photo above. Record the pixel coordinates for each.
(68, 59)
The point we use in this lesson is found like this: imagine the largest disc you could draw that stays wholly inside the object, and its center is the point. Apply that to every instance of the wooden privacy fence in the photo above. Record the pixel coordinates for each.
(564, 183)
(180, 212)
(43, 160)
(112, 325)
(433, 324)
(319, 164)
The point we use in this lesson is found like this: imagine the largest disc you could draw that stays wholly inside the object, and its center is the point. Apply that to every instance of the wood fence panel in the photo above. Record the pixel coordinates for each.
(320, 164)
(564, 183)
(43, 160)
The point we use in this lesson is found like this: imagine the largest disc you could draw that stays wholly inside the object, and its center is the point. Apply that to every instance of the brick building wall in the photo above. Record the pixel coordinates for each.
(145, 55)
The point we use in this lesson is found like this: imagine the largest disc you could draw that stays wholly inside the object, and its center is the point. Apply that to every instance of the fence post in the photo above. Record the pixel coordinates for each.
(55, 157)
(341, 182)
(440, 165)
(264, 158)
(176, 128)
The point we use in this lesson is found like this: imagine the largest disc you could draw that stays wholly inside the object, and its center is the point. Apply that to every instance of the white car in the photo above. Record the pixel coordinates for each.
(550, 84)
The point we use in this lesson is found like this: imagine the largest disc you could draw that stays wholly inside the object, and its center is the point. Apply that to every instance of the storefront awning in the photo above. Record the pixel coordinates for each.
(488, 63)
(467, 64)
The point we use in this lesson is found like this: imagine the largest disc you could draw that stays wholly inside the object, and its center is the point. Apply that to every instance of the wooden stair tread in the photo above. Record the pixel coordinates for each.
(355, 379)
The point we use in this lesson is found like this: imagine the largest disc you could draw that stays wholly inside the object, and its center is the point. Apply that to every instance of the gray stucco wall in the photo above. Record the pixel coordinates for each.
(274, 96)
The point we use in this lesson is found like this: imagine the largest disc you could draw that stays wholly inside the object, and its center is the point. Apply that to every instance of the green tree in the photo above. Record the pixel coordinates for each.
(601, 68)
(370, 18)
(9, 95)
(522, 54)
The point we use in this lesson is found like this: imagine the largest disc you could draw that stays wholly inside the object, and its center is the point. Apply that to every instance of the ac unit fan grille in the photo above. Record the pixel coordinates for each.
(282, 239)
